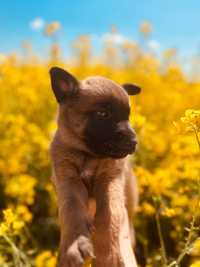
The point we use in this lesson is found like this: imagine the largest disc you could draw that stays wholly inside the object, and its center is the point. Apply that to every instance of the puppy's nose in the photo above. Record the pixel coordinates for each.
(125, 128)
(130, 142)
(125, 132)
(133, 143)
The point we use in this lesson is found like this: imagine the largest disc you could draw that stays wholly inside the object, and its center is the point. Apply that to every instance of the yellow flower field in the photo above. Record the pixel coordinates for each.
(166, 116)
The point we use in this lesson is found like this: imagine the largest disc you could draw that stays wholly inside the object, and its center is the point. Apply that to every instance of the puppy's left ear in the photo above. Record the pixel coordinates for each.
(131, 89)
(63, 84)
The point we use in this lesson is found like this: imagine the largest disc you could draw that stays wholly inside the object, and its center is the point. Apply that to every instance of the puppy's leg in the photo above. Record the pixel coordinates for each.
(132, 198)
(75, 244)
(126, 243)
(112, 240)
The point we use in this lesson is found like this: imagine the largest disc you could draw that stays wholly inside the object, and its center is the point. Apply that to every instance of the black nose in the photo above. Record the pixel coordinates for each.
(126, 136)
(127, 140)
(124, 126)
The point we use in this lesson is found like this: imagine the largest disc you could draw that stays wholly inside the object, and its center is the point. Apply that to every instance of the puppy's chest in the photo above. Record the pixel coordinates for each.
(88, 176)
(95, 171)
(93, 174)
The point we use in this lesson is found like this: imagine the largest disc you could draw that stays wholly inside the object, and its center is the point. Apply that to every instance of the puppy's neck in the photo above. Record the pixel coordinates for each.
(70, 141)
(88, 163)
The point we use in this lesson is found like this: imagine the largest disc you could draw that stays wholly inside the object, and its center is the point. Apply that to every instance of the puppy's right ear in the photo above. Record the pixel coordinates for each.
(131, 89)
(63, 84)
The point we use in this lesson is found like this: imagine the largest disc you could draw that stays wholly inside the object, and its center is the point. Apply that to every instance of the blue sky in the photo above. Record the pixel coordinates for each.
(176, 22)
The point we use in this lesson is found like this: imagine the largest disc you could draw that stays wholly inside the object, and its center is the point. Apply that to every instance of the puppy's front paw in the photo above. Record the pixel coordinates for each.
(78, 253)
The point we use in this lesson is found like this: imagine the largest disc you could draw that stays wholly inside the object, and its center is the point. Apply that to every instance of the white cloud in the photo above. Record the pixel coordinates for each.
(115, 38)
(37, 24)
(154, 45)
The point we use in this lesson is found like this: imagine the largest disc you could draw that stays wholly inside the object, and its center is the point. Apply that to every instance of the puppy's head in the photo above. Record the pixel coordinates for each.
(96, 111)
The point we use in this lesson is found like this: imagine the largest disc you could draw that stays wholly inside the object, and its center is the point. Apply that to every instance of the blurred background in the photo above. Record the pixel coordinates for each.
(154, 44)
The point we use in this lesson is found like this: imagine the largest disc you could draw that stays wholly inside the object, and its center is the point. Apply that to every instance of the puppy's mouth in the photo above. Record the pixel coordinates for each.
(116, 151)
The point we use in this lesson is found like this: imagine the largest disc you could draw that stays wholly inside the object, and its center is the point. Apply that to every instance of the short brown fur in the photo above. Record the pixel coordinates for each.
(96, 195)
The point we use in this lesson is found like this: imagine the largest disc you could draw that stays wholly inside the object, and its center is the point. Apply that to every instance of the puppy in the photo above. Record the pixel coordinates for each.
(96, 190)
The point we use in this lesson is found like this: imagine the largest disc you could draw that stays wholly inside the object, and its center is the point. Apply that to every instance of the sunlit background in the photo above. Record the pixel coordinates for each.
(173, 24)
(154, 44)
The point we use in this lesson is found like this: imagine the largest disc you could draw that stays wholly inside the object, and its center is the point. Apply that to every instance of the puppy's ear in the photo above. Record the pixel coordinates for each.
(131, 89)
(63, 83)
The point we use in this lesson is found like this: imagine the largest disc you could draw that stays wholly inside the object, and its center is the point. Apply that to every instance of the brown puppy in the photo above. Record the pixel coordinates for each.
(95, 187)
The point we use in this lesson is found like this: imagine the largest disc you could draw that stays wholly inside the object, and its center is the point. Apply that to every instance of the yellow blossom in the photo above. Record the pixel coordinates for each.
(11, 223)
(9, 216)
(52, 27)
(24, 213)
(3, 228)
(45, 259)
(168, 212)
(192, 119)
(195, 251)
(22, 187)
(196, 263)
(18, 225)
(146, 27)
(147, 208)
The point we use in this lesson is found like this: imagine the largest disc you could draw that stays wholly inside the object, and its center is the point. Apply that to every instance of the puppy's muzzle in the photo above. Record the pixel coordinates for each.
(126, 137)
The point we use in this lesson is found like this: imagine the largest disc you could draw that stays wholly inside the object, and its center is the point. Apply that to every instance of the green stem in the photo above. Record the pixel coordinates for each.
(17, 254)
(188, 243)
(162, 244)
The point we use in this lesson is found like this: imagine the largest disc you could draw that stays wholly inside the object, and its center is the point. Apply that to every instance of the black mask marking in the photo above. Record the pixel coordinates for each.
(108, 132)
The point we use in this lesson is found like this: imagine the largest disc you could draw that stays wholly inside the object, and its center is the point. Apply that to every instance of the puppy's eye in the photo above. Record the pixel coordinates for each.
(103, 114)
